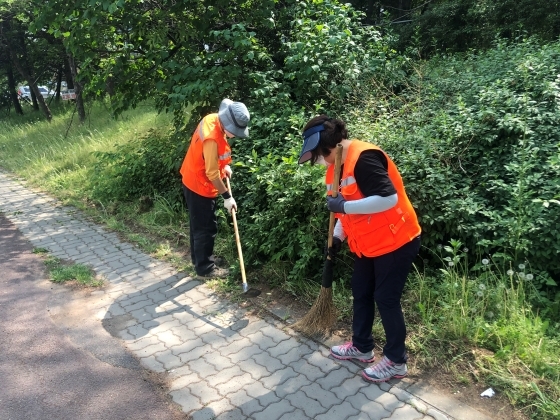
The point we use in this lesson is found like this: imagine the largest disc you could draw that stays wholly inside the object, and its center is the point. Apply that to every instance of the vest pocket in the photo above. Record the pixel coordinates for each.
(371, 233)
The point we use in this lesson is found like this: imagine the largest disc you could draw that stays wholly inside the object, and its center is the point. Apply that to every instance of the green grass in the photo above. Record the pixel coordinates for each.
(481, 321)
(62, 273)
(59, 156)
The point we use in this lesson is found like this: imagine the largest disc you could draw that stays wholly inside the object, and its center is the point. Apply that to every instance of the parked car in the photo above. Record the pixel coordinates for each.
(68, 95)
(24, 92)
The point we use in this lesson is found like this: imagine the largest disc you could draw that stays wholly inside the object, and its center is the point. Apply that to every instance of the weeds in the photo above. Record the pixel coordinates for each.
(62, 273)
(487, 306)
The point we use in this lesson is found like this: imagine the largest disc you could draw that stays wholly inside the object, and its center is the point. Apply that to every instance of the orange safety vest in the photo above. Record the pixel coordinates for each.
(375, 234)
(193, 169)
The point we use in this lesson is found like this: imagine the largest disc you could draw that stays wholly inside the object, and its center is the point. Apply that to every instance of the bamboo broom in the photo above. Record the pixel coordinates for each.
(322, 315)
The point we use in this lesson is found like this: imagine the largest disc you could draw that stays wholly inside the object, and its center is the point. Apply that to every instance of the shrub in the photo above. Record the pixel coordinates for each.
(477, 141)
(146, 166)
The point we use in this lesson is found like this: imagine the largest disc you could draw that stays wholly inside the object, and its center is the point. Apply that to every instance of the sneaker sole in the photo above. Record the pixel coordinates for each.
(210, 277)
(336, 356)
(367, 378)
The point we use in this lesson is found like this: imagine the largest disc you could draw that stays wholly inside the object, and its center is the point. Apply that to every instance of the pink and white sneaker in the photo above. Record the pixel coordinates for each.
(385, 370)
(348, 351)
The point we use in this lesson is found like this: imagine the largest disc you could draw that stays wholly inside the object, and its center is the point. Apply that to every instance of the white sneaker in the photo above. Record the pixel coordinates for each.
(385, 370)
(348, 351)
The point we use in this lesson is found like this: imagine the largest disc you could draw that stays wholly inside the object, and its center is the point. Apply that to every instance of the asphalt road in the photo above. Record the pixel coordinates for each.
(52, 372)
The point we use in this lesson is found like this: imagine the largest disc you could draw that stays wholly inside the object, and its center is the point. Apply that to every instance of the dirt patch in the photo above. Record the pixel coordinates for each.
(498, 407)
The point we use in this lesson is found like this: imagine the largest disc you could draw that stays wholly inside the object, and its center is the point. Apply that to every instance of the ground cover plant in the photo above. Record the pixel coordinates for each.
(61, 272)
(478, 323)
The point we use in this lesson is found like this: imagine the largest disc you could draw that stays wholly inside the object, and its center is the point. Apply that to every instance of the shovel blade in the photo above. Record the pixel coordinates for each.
(250, 292)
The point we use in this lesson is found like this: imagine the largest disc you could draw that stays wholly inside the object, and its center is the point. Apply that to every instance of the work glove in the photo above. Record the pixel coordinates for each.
(336, 205)
(228, 171)
(229, 203)
(334, 249)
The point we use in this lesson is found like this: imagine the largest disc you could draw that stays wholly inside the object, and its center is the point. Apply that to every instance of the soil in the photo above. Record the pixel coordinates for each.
(498, 407)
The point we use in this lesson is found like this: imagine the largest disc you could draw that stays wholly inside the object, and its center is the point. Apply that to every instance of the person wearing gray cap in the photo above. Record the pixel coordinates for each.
(205, 166)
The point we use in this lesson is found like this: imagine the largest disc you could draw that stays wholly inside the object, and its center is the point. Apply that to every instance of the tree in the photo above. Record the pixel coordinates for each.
(459, 25)
(14, 41)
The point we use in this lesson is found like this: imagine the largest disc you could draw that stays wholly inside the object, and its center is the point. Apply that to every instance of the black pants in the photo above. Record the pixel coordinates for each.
(380, 280)
(203, 230)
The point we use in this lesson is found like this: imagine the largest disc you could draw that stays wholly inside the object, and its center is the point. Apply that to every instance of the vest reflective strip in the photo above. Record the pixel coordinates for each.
(347, 181)
(200, 131)
(224, 156)
(396, 226)
(343, 183)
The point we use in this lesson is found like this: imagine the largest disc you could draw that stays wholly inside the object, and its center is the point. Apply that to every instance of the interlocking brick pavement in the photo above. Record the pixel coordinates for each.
(222, 362)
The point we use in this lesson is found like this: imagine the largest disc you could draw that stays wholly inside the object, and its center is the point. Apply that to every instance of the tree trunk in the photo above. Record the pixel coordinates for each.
(58, 84)
(12, 89)
(77, 88)
(68, 75)
(32, 85)
(110, 86)
(34, 102)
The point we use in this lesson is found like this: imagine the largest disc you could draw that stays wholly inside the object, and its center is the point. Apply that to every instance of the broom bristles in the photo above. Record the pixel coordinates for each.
(321, 317)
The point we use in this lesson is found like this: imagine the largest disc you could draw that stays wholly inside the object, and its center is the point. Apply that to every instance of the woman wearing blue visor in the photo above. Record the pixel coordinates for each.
(376, 218)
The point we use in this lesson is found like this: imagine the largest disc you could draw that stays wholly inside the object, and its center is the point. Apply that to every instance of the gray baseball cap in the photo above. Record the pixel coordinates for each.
(234, 117)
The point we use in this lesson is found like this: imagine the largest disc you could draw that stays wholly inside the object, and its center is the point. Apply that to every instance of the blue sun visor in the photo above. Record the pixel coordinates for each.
(311, 139)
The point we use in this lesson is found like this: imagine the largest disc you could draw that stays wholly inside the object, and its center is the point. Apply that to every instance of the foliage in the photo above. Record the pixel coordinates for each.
(145, 166)
(476, 141)
(460, 25)
(489, 306)
(328, 52)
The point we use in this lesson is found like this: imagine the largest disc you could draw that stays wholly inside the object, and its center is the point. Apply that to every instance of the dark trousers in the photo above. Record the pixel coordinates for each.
(380, 280)
(203, 230)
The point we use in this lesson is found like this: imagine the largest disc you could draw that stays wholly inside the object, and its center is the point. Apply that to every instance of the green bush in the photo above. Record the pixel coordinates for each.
(477, 141)
(147, 166)
(283, 217)
(460, 25)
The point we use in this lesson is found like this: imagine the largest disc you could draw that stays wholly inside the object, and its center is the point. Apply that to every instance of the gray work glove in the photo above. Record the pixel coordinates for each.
(336, 205)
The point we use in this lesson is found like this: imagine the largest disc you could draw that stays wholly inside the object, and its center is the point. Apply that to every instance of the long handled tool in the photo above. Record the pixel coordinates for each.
(247, 291)
(322, 315)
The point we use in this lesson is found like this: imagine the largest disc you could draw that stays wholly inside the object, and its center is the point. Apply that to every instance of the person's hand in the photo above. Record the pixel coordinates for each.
(334, 249)
(336, 205)
(229, 203)
(228, 171)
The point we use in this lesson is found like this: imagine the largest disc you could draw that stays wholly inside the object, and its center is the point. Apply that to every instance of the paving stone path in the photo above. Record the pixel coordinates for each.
(222, 362)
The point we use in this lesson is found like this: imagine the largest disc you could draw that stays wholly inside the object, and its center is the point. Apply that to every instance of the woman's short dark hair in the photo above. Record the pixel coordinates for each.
(335, 131)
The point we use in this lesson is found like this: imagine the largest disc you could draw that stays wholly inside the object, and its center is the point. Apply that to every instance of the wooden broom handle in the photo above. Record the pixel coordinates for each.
(335, 187)
(237, 238)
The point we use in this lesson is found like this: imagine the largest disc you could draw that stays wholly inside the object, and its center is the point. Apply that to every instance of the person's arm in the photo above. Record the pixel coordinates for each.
(374, 183)
(372, 204)
(210, 153)
(339, 231)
